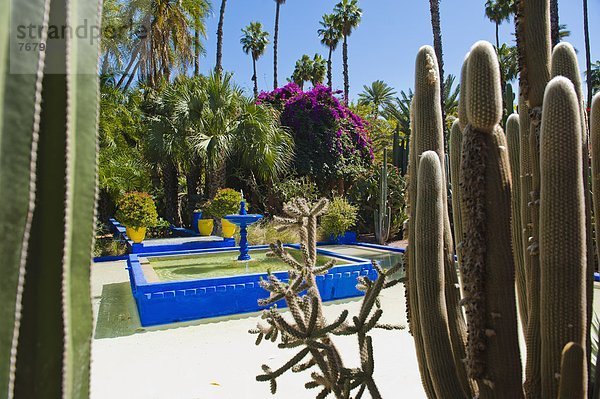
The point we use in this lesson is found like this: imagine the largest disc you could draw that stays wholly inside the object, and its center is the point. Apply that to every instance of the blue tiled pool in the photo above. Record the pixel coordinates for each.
(161, 301)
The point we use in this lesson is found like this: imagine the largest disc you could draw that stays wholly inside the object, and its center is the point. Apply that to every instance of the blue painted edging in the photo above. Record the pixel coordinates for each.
(168, 302)
(140, 248)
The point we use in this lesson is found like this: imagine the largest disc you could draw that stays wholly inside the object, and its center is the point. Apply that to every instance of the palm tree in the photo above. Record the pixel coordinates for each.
(450, 98)
(434, 8)
(319, 67)
(198, 10)
(378, 95)
(303, 71)
(219, 64)
(263, 147)
(509, 65)
(224, 123)
(163, 41)
(166, 144)
(330, 37)
(254, 42)
(498, 11)
(347, 17)
(399, 110)
(276, 41)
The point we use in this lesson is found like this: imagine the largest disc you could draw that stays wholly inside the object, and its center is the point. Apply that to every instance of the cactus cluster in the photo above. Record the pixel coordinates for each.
(522, 225)
(307, 328)
(48, 125)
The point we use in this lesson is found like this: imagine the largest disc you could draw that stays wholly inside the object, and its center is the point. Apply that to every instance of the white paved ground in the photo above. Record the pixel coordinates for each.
(217, 358)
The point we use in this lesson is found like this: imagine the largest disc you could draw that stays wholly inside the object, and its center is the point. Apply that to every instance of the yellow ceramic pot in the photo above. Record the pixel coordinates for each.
(205, 227)
(228, 228)
(136, 235)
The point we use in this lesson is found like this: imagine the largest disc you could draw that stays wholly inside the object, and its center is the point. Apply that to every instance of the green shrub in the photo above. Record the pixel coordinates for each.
(340, 216)
(161, 229)
(294, 187)
(226, 202)
(137, 209)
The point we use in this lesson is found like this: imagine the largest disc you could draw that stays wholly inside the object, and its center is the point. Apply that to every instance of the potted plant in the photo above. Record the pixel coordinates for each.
(226, 202)
(205, 222)
(340, 216)
(136, 211)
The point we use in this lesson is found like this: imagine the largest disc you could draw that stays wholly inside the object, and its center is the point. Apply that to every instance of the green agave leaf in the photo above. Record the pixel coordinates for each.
(54, 334)
(19, 96)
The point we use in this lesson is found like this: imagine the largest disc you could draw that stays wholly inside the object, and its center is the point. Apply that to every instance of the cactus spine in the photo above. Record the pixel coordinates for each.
(562, 231)
(382, 214)
(429, 272)
(512, 139)
(492, 351)
(48, 159)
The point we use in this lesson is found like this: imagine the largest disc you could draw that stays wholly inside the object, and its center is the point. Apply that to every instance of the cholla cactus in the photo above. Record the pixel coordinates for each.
(307, 327)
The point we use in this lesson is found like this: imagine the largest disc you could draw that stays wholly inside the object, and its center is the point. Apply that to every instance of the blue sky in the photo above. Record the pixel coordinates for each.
(382, 47)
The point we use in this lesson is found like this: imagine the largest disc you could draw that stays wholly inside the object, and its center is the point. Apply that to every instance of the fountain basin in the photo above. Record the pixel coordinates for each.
(244, 220)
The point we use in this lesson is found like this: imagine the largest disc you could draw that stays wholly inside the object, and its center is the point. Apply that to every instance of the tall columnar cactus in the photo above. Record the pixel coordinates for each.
(455, 149)
(512, 139)
(534, 46)
(562, 231)
(427, 135)
(382, 214)
(564, 63)
(429, 277)
(493, 357)
(48, 118)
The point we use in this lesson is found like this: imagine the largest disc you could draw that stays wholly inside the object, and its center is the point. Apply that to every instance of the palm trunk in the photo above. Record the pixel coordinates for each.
(219, 66)
(554, 23)
(329, 83)
(217, 177)
(497, 37)
(275, 41)
(197, 49)
(192, 180)
(254, 77)
(588, 59)
(170, 186)
(132, 75)
(345, 60)
(434, 6)
(131, 63)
